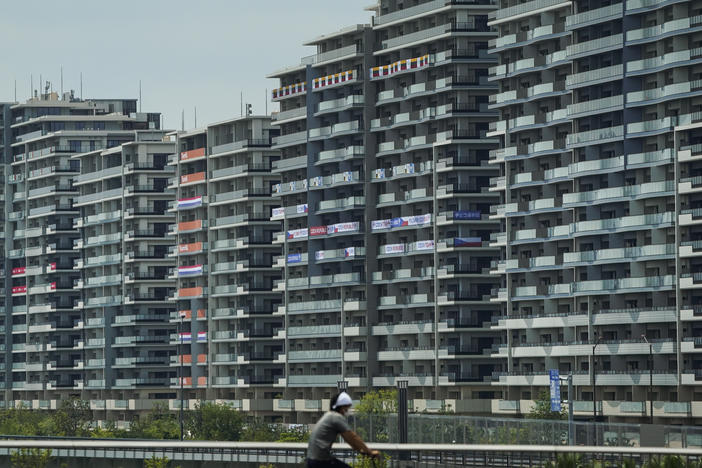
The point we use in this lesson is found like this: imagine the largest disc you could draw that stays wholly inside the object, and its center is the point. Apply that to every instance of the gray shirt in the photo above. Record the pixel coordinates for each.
(324, 434)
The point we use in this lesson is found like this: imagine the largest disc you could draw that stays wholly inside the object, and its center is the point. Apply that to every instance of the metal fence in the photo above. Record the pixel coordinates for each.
(453, 429)
(130, 453)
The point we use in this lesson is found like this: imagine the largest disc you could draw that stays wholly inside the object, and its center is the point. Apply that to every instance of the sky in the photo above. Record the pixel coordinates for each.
(188, 54)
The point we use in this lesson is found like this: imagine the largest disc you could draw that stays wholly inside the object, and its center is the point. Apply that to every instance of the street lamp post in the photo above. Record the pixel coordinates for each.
(650, 377)
(594, 381)
(180, 357)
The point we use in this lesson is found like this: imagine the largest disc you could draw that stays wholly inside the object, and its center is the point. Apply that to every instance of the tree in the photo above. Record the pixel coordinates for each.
(542, 408)
(157, 462)
(257, 430)
(158, 424)
(382, 401)
(215, 421)
(72, 418)
(294, 434)
(31, 458)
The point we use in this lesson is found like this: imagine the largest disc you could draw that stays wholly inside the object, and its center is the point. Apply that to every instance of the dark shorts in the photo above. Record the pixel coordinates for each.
(333, 463)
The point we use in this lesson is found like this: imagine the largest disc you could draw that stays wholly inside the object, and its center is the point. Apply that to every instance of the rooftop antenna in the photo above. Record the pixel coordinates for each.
(41, 83)
(61, 81)
(139, 95)
(31, 85)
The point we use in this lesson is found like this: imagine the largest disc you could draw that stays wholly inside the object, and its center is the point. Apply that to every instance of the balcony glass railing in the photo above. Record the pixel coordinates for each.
(594, 15)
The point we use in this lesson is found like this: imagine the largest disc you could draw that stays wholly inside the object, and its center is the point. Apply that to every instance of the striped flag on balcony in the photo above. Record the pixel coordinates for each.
(202, 336)
(185, 337)
(189, 202)
(189, 270)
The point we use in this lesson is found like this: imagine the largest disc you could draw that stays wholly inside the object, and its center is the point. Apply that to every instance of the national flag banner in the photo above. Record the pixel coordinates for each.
(19, 270)
(380, 224)
(202, 336)
(19, 289)
(390, 249)
(297, 233)
(289, 90)
(189, 270)
(52, 286)
(185, 337)
(302, 208)
(193, 202)
(465, 214)
(52, 266)
(318, 230)
(317, 181)
(400, 66)
(425, 245)
(467, 242)
(350, 252)
(294, 258)
(277, 213)
(334, 79)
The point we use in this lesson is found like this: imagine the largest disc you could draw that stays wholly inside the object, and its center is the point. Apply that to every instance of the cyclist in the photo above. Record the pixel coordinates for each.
(326, 432)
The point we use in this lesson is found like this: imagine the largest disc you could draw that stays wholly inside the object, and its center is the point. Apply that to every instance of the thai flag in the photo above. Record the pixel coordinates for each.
(189, 270)
(189, 202)
(202, 336)
(185, 337)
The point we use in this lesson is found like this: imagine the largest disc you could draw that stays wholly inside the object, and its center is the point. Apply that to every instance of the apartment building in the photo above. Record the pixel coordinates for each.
(385, 209)
(600, 128)
(230, 334)
(47, 330)
(124, 271)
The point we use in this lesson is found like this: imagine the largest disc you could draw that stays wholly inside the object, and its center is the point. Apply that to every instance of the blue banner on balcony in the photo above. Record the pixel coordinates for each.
(466, 214)
(294, 258)
(555, 387)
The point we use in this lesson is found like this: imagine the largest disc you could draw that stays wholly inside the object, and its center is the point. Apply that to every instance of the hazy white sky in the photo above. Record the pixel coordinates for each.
(186, 53)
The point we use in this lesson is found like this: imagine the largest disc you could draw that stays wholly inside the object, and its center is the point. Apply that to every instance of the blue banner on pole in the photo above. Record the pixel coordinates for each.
(555, 384)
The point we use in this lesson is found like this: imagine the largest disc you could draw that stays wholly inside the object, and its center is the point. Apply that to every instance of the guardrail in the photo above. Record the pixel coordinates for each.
(290, 454)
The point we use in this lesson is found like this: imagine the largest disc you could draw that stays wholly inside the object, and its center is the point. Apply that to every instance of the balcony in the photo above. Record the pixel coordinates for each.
(667, 92)
(632, 192)
(321, 355)
(648, 65)
(601, 135)
(595, 16)
(432, 33)
(665, 29)
(523, 9)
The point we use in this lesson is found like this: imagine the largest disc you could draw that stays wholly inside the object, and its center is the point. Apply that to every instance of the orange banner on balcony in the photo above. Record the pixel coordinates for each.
(186, 314)
(202, 381)
(190, 225)
(192, 154)
(185, 358)
(201, 313)
(202, 358)
(190, 248)
(190, 178)
(190, 292)
(187, 380)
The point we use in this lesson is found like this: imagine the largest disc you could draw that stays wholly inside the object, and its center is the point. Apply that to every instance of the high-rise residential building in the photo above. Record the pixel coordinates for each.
(230, 333)
(45, 316)
(124, 269)
(601, 130)
(385, 208)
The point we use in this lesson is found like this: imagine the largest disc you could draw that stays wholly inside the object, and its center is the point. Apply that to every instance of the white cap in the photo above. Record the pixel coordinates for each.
(342, 400)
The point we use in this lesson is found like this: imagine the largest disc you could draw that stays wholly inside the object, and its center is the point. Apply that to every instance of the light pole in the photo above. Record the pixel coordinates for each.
(180, 357)
(594, 381)
(650, 377)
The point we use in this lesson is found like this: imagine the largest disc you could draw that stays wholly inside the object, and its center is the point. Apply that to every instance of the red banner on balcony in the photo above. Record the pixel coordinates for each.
(190, 248)
(190, 225)
(53, 285)
(202, 358)
(318, 230)
(185, 358)
(202, 381)
(52, 266)
(190, 292)
(201, 313)
(19, 289)
(19, 271)
(192, 154)
(190, 178)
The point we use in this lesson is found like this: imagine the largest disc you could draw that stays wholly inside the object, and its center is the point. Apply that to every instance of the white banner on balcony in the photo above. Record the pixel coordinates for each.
(380, 224)
(302, 208)
(350, 252)
(389, 249)
(278, 212)
(297, 233)
(425, 245)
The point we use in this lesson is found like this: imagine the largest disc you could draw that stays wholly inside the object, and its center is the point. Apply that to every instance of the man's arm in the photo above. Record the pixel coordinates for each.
(356, 443)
